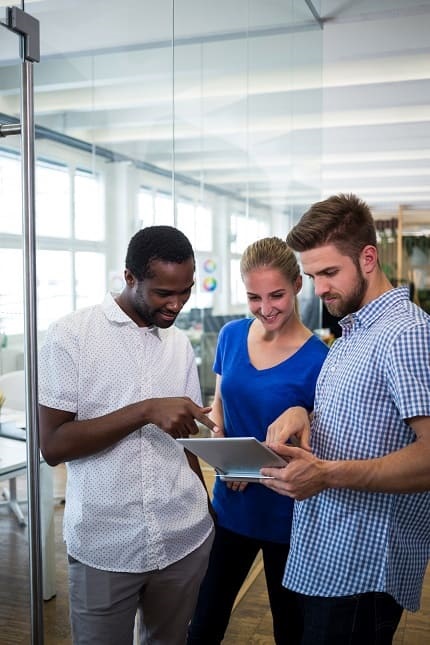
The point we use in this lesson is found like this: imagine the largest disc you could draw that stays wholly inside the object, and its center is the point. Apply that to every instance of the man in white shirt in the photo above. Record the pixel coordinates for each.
(118, 384)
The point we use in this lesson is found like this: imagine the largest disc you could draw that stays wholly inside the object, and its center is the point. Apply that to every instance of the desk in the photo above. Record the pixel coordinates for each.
(13, 463)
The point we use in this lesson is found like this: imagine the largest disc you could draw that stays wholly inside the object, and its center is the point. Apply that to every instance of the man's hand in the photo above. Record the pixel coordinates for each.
(177, 416)
(302, 477)
(292, 425)
(63, 438)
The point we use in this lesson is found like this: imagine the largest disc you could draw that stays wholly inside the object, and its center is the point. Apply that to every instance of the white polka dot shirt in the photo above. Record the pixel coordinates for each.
(136, 506)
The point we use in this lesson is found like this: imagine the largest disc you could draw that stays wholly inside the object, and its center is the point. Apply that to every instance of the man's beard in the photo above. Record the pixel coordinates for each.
(343, 306)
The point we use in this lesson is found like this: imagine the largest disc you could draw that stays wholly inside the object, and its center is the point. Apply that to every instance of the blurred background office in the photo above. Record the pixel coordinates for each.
(224, 118)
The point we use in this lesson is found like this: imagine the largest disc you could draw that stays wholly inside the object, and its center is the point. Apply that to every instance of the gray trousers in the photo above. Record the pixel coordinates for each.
(103, 604)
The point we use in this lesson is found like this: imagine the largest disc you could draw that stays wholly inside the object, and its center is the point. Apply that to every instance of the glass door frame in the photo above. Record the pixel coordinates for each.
(27, 29)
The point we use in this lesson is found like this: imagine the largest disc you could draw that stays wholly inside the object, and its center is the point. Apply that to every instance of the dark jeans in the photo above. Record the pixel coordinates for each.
(230, 561)
(362, 619)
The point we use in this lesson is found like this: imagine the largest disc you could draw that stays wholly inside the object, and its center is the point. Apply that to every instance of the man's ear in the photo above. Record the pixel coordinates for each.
(129, 278)
(369, 258)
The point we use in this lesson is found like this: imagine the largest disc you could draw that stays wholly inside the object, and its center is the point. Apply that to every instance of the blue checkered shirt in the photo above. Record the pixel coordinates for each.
(375, 376)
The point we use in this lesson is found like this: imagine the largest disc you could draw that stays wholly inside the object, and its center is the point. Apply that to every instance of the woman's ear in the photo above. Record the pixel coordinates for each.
(298, 284)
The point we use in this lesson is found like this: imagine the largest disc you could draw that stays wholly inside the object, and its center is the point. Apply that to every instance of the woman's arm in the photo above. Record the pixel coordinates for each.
(217, 413)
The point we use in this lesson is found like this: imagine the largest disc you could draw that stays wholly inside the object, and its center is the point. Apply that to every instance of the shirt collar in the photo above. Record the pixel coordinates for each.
(114, 313)
(368, 314)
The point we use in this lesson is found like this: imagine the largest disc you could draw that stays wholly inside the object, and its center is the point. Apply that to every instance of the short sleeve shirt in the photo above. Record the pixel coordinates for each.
(252, 399)
(375, 377)
(137, 505)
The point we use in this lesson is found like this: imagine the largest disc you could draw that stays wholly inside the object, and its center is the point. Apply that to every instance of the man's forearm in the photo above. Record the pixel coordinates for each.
(404, 471)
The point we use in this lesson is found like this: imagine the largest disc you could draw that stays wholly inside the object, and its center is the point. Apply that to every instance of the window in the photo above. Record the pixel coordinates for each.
(52, 201)
(204, 226)
(196, 223)
(245, 230)
(187, 221)
(11, 291)
(54, 280)
(89, 207)
(145, 206)
(70, 242)
(10, 194)
(90, 278)
(237, 289)
(164, 210)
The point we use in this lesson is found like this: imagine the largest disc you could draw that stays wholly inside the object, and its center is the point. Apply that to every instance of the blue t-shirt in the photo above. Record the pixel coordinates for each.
(252, 400)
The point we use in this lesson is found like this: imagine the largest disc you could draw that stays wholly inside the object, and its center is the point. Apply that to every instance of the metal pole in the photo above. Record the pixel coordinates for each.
(9, 128)
(27, 27)
(30, 351)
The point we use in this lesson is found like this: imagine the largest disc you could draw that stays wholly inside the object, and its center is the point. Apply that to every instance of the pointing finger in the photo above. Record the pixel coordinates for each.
(202, 418)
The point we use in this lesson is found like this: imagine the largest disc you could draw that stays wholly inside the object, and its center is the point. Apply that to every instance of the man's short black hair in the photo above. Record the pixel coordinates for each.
(165, 243)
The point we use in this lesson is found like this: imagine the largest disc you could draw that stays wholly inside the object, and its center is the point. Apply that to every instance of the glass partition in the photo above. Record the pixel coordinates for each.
(198, 114)
(247, 147)
(206, 118)
(13, 480)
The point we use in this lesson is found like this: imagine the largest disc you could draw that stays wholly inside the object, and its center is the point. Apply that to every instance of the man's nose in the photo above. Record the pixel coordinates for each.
(320, 286)
(175, 304)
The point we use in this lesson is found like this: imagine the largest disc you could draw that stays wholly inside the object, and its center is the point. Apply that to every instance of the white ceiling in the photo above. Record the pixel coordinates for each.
(267, 105)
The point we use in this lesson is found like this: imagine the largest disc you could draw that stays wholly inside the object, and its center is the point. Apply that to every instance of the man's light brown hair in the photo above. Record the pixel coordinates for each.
(342, 220)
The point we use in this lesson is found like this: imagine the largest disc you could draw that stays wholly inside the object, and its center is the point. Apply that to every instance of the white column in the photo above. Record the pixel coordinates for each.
(122, 186)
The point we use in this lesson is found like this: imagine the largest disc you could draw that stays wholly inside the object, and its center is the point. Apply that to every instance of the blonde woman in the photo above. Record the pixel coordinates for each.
(264, 365)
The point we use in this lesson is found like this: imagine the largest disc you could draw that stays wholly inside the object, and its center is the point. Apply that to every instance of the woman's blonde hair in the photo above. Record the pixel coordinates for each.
(274, 253)
(270, 252)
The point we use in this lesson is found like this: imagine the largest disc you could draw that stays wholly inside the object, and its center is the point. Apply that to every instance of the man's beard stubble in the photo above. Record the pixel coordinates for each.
(343, 306)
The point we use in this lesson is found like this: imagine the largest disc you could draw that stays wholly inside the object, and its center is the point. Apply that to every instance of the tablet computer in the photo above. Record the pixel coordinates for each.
(234, 458)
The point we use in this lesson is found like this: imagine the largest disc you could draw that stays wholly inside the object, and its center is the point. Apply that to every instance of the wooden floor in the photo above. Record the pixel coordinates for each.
(250, 622)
